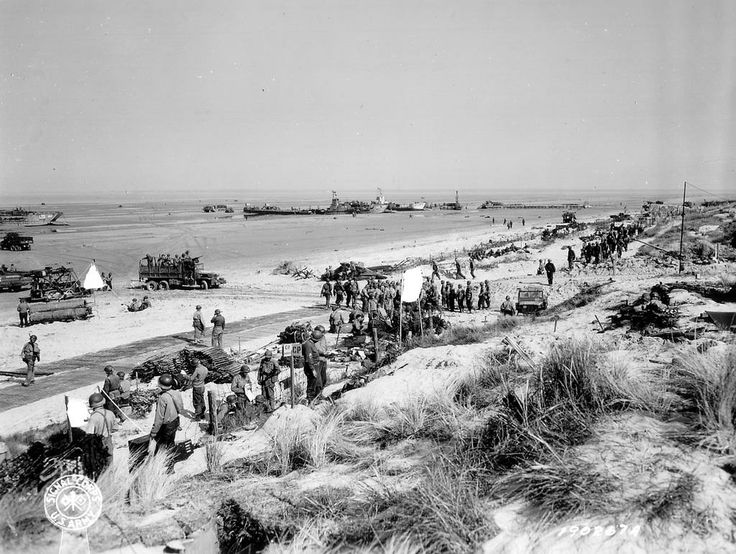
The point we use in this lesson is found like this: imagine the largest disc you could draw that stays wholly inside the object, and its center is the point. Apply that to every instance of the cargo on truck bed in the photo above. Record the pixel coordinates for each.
(165, 273)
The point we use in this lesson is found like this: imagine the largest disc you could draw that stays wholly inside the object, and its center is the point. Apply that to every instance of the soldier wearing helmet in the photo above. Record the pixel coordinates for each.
(218, 328)
(166, 420)
(101, 423)
(268, 376)
(30, 354)
(315, 363)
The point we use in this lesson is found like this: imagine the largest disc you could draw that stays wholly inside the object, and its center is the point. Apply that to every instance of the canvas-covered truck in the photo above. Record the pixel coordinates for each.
(163, 274)
(532, 299)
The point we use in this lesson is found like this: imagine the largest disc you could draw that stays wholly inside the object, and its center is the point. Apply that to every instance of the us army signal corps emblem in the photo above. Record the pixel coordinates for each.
(73, 503)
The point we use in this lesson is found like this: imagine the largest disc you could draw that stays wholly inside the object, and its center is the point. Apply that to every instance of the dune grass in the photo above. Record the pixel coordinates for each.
(467, 334)
(706, 383)
(558, 491)
(151, 483)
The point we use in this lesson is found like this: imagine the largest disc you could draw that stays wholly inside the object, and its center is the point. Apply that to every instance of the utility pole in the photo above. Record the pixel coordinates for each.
(682, 224)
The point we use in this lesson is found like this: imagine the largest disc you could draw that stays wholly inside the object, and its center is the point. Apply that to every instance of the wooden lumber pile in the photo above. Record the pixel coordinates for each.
(221, 366)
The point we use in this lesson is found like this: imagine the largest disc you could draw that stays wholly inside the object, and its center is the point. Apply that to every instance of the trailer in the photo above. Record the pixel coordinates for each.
(57, 295)
(163, 274)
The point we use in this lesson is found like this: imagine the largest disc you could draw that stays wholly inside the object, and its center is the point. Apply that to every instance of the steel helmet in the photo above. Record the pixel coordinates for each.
(165, 382)
(96, 400)
(268, 354)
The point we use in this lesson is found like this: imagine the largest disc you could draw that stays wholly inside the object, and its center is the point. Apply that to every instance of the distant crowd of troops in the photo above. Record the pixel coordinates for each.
(605, 245)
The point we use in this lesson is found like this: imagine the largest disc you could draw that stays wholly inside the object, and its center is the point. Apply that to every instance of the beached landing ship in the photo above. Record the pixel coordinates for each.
(19, 216)
(218, 208)
(269, 209)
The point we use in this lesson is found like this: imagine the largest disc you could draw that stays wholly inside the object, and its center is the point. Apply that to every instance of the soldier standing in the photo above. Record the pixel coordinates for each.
(198, 325)
(268, 375)
(166, 420)
(24, 311)
(550, 269)
(435, 270)
(30, 354)
(327, 293)
(219, 328)
(101, 423)
(112, 391)
(314, 360)
(472, 269)
(198, 377)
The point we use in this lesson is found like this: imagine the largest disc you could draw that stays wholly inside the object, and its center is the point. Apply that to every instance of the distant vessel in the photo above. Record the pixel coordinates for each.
(411, 207)
(269, 209)
(218, 208)
(379, 205)
(488, 204)
(352, 207)
(19, 216)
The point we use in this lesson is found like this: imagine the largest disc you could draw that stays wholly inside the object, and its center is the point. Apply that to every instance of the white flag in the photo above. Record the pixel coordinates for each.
(93, 280)
(411, 285)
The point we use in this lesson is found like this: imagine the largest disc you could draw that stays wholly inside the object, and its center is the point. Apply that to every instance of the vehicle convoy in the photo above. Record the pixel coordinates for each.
(532, 299)
(14, 241)
(164, 274)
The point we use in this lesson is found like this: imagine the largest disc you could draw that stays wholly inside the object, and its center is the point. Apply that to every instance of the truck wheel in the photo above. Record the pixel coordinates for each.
(204, 285)
(151, 285)
(163, 285)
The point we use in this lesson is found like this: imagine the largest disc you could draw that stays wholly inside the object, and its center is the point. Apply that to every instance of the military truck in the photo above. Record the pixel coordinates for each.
(164, 274)
(532, 299)
(16, 242)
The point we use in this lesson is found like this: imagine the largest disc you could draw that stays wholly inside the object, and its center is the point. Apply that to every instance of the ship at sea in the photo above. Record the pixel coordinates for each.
(27, 218)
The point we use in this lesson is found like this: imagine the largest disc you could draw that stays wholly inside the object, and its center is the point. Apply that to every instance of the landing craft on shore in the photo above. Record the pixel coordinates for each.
(27, 218)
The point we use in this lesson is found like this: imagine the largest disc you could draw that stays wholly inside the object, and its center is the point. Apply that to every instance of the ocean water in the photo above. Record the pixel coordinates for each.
(116, 236)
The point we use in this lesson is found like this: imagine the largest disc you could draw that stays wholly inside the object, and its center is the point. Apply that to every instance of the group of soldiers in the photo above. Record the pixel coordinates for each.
(374, 295)
(218, 326)
(605, 245)
(467, 297)
(168, 260)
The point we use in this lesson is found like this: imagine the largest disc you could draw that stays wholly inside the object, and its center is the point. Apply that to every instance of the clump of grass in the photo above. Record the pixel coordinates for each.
(288, 449)
(466, 334)
(445, 513)
(480, 387)
(18, 509)
(568, 375)
(676, 502)
(151, 482)
(706, 382)
(239, 531)
(556, 492)
(432, 415)
(213, 455)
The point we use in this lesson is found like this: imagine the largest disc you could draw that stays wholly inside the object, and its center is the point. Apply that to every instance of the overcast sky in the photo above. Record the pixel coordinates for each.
(404, 94)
